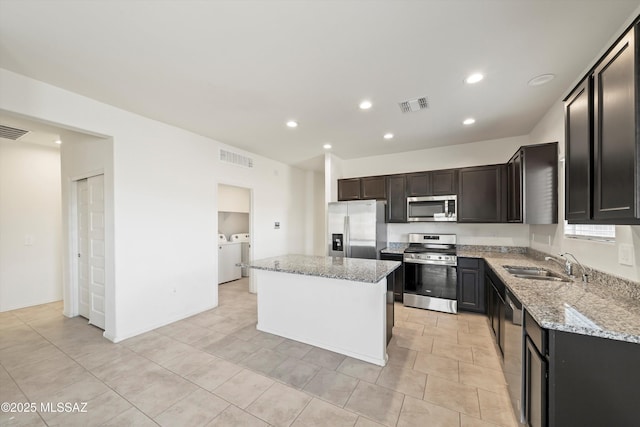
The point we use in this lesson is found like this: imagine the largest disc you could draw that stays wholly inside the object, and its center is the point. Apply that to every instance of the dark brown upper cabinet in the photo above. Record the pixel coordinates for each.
(514, 187)
(616, 130)
(349, 189)
(432, 183)
(444, 182)
(532, 185)
(370, 187)
(578, 116)
(374, 187)
(602, 133)
(481, 194)
(396, 198)
(418, 184)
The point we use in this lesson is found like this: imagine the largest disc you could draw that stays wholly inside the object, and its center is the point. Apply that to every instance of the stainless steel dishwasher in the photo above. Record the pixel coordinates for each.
(513, 353)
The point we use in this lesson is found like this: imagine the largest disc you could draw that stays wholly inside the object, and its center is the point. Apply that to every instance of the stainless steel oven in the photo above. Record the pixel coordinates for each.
(430, 272)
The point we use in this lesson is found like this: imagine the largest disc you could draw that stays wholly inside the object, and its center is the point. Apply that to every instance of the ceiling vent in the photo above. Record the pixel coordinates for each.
(235, 158)
(414, 105)
(14, 134)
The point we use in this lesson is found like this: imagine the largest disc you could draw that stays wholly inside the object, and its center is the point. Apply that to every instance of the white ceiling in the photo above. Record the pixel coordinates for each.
(236, 71)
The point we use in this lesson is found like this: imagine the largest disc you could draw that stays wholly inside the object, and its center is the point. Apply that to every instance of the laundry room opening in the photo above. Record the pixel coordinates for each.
(234, 234)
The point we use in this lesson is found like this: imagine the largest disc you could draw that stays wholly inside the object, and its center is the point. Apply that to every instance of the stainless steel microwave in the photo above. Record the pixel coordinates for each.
(432, 208)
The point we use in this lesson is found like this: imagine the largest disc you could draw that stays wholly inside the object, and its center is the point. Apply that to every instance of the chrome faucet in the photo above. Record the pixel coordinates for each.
(585, 275)
(568, 267)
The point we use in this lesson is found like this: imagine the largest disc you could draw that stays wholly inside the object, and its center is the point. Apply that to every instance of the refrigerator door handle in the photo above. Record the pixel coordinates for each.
(347, 239)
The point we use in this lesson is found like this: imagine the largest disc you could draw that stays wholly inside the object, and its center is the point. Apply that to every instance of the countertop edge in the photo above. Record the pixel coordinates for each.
(535, 312)
(369, 274)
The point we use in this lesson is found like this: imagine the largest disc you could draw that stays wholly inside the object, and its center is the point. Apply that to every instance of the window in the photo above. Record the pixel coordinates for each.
(590, 231)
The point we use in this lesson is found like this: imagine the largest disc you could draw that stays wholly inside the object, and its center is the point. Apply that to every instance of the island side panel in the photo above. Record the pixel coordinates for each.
(342, 316)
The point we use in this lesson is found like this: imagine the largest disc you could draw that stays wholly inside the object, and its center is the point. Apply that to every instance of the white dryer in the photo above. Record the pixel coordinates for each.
(229, 255)
(244, 240)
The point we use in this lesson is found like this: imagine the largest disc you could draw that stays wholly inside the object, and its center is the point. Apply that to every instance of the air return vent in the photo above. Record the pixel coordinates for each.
(12, 133)
(236, 159)
(413, 105)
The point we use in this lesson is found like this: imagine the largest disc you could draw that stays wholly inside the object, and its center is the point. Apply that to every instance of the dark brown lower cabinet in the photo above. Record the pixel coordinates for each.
(397, 276)
(535, 379)
(471, 289)
(579, 380)
(496, 309)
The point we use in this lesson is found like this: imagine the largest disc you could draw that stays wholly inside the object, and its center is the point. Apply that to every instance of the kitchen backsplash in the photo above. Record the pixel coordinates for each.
(468, 234)
(490, 248)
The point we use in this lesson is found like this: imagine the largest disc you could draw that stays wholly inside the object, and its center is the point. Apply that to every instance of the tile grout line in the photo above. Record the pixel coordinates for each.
(76, 382)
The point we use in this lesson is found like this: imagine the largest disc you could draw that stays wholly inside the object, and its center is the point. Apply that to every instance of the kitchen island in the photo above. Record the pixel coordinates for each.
(339, 304)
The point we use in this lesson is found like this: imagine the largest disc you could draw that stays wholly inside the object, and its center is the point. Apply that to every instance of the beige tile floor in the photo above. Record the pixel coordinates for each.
(216, 369)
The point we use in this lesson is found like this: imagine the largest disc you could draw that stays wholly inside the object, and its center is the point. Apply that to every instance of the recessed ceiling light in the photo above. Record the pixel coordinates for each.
(474, 78)
(388, 136)
(365, 105)
(327, 146)
(57, 141)
(292, 124)
(541, 79)
(469, 121)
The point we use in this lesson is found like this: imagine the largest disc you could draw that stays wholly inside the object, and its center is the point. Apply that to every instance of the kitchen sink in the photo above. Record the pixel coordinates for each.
(534, 273)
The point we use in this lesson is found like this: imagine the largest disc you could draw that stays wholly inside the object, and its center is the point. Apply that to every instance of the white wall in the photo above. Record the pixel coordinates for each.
(333, 170)
(550, 238)
(467, 234)
(234, 206)
(319, 221)
(164, 202)
(30, 274)
(233, 199)
(233, 223)
(456, 156)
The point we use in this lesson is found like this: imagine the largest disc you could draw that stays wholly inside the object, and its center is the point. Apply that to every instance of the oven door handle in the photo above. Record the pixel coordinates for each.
(420, 261)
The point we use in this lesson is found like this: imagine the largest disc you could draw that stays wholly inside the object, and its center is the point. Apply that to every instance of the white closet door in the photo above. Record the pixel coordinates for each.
(83, 248)
(96, 251)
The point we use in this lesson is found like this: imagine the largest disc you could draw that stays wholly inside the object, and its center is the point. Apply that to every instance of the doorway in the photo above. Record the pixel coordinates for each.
(90, 269)
(234, 230)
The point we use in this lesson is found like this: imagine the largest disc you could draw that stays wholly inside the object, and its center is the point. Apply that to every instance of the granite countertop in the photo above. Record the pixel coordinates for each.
(354, 269)
(396, 251)
(588, 309)
(395, 248)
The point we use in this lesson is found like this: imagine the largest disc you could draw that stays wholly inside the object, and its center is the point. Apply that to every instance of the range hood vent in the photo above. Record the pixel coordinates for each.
(235, 158)
(412, 105)
(14, 134)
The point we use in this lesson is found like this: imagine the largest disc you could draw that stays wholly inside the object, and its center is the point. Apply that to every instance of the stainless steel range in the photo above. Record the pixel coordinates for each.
(430, 272)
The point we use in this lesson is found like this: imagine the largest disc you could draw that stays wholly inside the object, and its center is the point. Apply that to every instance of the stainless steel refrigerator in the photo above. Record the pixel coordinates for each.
(357, 229)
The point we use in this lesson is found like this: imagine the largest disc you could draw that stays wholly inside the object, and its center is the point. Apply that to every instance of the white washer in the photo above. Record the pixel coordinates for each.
(244, 239)
(229, 254)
